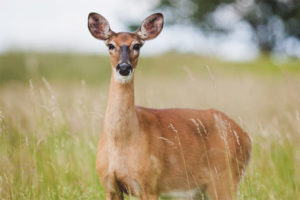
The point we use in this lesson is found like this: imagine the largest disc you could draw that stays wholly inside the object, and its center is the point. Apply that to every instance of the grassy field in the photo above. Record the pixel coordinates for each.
(52, 107)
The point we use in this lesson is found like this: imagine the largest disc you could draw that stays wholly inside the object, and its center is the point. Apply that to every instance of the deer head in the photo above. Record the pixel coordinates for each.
(124, 47)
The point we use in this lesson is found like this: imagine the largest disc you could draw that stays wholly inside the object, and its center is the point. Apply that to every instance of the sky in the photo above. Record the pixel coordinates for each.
(61, 25)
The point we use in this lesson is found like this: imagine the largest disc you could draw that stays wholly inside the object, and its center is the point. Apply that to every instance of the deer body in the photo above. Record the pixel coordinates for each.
(149, 152)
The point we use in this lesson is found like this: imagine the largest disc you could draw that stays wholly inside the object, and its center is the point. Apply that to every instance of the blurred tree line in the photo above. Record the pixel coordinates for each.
(271, 21)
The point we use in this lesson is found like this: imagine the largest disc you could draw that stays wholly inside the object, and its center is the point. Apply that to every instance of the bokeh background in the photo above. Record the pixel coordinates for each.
(239, 56)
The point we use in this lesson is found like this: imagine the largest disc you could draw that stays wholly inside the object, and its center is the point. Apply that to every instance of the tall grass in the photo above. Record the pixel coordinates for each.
(49, 130)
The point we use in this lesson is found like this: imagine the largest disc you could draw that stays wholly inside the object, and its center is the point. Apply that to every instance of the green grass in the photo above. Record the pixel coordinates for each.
(49, 130)
(273, 175)
(57, 166)
(95, 69)
(62, 67)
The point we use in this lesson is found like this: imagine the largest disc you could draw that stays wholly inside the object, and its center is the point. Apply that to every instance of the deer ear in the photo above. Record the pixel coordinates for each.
(99, 26)
(151, 26)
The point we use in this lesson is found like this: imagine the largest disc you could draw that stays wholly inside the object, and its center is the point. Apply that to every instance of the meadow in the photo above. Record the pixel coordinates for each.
(52, 108)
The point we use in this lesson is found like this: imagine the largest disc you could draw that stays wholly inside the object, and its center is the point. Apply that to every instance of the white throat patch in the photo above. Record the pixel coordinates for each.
(122, 79)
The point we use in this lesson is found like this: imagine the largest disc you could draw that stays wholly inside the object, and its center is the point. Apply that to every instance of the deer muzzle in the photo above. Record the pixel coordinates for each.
(124, 69)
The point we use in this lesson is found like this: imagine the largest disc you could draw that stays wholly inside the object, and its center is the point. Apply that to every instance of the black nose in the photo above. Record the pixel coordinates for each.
(124, 69)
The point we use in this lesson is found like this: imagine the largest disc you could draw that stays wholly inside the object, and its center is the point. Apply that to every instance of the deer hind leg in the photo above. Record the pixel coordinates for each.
(112, 189)
(224, 184)
(222, 187)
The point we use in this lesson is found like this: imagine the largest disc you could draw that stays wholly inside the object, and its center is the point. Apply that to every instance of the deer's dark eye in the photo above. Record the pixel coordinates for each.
(137, 47)
(111, 47)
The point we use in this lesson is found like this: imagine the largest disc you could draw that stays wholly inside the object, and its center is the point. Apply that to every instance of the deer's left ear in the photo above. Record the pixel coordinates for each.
(151, 27)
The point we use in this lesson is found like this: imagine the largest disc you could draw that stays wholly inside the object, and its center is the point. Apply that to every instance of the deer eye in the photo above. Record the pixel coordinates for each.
(111, 46)
(137, 47)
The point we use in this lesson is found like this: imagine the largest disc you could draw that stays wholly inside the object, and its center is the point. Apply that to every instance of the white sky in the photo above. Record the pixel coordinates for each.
(61, 25)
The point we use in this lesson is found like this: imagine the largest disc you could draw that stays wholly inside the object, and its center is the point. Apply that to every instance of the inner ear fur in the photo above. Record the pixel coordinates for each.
(151, 26)
(99, 26)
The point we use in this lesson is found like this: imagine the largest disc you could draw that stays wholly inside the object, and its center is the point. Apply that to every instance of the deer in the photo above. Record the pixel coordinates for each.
(150, 153)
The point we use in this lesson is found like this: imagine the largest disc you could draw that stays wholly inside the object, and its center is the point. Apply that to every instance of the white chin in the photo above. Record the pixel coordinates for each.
(122, 79)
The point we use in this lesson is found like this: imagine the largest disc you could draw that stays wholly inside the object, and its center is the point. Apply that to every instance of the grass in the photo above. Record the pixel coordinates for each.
(49, 126)
(22, 66)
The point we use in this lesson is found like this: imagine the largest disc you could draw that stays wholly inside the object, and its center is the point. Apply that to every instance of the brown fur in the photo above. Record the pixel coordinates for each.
(147, 152)
(123, 39)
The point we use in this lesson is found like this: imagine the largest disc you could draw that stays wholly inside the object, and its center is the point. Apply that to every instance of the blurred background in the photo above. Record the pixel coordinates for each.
(246, 27)
(239, 56)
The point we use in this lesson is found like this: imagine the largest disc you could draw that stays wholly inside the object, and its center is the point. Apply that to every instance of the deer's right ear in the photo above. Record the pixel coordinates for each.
(99, 26)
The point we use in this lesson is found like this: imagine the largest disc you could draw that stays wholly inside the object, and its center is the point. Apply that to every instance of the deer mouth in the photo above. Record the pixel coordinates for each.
(123, 76)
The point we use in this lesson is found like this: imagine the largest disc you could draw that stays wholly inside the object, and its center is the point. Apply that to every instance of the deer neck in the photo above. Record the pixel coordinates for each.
(120, 121)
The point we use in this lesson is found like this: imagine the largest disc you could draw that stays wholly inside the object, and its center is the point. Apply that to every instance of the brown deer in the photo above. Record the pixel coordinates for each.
(147, 152)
